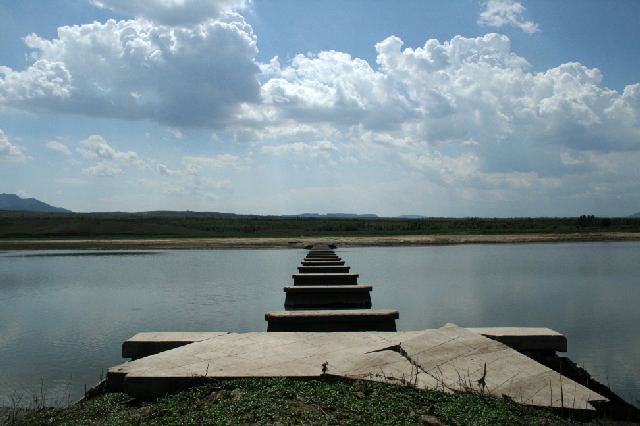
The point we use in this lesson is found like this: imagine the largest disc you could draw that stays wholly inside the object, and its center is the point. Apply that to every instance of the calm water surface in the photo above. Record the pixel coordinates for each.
(64, 315)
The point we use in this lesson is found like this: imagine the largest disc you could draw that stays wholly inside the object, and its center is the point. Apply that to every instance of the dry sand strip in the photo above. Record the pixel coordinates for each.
(296, 243)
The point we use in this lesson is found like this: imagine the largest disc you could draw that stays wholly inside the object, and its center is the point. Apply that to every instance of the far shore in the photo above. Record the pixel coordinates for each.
(301, 242)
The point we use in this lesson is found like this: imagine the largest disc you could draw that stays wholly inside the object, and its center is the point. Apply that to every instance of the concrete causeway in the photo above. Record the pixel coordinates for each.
(322, 262)
(451, 358)
(323, 268)
(333, 320)
(522, 339)
(332, 293)
(319, 296)
(351, 340)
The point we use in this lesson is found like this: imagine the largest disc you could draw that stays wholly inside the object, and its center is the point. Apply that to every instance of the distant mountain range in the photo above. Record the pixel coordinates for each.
(16, 203)
(13, 202)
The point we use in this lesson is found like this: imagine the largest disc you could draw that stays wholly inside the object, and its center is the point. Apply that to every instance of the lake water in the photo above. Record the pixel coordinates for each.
(64, 315)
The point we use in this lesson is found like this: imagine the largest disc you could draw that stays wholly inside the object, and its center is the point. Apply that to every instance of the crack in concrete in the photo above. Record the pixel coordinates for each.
(414, 364)
(439, 378)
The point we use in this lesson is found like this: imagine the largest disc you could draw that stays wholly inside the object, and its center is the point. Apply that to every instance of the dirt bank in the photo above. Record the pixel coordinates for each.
(222, 243)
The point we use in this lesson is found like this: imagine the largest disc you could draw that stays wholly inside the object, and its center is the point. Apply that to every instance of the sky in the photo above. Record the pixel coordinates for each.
(490, 108)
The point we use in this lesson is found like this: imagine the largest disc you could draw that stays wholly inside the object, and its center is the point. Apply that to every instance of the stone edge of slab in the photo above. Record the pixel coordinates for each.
(518, 338)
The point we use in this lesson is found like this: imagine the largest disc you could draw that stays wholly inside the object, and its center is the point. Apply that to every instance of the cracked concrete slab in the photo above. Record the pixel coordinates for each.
(450, 358)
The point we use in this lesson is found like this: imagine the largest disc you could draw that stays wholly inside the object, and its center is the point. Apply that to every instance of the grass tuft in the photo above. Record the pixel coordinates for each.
(268, 401)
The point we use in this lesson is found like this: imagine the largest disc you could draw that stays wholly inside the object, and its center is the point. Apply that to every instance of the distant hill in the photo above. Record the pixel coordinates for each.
(13, 202)
(635, 215)
(189, 213)
(334, 215)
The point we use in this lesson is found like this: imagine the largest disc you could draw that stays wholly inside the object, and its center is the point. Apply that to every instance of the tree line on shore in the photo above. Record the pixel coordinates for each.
(213, 225)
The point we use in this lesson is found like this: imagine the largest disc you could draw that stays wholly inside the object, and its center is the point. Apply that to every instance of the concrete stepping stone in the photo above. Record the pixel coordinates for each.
(518, 338)
(322, 258)
(322, 262)
(320, 255)
(145, 344)
(332, 320)
(323, 269)
(332, 296)
(325, 279)
(526, 339)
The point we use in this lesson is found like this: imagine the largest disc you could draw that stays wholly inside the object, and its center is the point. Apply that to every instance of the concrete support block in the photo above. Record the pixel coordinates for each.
(326, 258)
(145, 344)
(333, 320)
(332, 297)
(325, 279)
(334, 261)
(526, 339)
(322, 262)
(321, 254)
(323, 269)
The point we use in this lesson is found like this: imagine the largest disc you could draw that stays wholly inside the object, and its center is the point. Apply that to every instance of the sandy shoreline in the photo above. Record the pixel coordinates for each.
(227, 243)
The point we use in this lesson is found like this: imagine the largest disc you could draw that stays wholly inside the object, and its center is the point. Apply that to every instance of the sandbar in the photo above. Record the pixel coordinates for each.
(301, 242)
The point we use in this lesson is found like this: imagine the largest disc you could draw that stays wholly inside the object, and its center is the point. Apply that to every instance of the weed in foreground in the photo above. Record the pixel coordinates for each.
(326, 401)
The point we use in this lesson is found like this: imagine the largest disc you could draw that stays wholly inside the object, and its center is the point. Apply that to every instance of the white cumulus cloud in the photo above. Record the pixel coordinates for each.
(58, 146)
(166, 171)
(109, 160)
(498, 13)
(8, 151)
(96, 147)
(137, 69)
(311, 150)
(196, 183)
(174, 12)
(334, 87)
(218, 162)
(467, 91)
(102, 169)
(465, 114)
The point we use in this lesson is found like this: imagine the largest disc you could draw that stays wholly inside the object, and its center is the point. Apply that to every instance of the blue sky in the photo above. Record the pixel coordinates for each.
(493, 108)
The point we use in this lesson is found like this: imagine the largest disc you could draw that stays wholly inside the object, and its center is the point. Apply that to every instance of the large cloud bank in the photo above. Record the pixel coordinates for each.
(137, 69)
(462, 90)
(467, 91)
(467, 116)
(466, 113)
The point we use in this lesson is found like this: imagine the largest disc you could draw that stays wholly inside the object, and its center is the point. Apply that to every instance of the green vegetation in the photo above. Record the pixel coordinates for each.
(288, 401)
(217, 225)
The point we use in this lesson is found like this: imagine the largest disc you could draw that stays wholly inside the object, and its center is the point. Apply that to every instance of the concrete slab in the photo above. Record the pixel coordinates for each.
(317, 258)
(526, 339)
(322, 262)
(323, 269)
(328, 289)
(503, 370)
(332, 320)
(145, 344)
(450, 358)
(325, 279)
(329, 297)
(314, 252)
